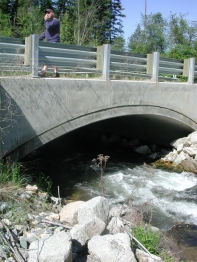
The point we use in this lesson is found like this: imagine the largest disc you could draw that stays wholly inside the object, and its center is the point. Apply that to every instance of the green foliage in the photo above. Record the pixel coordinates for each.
(175, 37)
(11, 173)
(148, 238)
(182, 51)
(118, 44)
(44, 182)
(149, 36)
(83, 22)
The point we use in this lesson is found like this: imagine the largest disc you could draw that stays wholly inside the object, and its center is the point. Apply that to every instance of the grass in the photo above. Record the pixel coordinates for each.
(10, 173)
(151, 240)
(12, 177)
(148, 238)
(44, 183)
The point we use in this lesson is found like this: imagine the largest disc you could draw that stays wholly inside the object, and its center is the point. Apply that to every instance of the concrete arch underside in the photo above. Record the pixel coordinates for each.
(151, 123)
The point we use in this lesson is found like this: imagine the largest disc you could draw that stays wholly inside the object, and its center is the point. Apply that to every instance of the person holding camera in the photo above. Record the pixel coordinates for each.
(52, 35)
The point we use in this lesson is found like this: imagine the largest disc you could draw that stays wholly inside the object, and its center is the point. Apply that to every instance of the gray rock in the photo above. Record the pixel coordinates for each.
(179, 148)
(154, 155)
(53, 249)
(171, 156)
(143, 150)
(115, 211)
(110, 248)
(115, 226)
(190, 151)
(83, 232)
(145, 257)
(192, 137)
(182, 156)
(95, 207)
(69, 213)
(176, 142)
(23, 243)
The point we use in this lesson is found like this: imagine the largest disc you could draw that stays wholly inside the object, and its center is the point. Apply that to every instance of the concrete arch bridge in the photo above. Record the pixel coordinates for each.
(35, 111)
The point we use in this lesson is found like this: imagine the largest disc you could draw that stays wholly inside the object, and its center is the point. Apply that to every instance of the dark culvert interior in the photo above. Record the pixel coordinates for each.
(62, 154)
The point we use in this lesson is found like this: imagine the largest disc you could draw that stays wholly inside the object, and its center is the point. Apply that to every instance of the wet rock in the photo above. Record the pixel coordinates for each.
(143, 150)
(180, 157)
(155, 155)
(189, 165)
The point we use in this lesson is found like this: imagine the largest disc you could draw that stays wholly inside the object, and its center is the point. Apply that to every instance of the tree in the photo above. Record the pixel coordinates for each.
(113, 23)
(137, 41)
(151, 38)
(118, 44)
(182, 37)
(29, 21)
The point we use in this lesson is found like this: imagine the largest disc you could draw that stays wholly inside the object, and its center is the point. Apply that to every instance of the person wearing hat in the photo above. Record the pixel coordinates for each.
(51, 34)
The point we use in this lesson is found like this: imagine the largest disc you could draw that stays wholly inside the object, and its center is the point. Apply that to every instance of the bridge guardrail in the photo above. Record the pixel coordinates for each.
(30, 55)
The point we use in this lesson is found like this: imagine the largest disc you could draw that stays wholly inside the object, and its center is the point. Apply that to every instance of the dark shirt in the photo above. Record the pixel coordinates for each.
(52, 31)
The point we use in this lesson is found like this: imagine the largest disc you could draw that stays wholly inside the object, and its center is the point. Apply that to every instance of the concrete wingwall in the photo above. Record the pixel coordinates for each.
(38, 110)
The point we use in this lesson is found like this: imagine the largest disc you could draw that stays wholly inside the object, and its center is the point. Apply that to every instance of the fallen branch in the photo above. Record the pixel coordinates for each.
(56, 224)
(18, 256)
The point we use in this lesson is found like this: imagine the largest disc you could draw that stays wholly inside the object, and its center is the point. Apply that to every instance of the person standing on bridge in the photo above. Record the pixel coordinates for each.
(52, 35)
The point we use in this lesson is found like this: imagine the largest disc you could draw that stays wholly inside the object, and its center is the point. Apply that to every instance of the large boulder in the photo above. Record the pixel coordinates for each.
(190, 151)
(182, 156)
(57, 248)
(80, 233)
(69, 213)
(95, 207)
(189, 165)
(176, 142)
(115, 226)
(192, 137)
(110, 248)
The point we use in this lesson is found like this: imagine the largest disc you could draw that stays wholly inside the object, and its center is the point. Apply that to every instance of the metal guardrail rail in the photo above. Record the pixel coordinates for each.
(16, 55)
(68, 57)
(12, 54)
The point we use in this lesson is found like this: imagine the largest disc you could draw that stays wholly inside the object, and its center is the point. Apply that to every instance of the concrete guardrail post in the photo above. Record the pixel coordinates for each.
(99, 58)
(34, 51)
(155, 66)
(191, 69)
(106, 62)
(149, 64)
(27, 51)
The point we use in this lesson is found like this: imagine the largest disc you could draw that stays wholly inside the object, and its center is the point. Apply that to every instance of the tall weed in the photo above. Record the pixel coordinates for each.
(10, 173)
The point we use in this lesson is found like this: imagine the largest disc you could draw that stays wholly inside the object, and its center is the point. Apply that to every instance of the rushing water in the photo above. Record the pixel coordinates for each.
(172, 196)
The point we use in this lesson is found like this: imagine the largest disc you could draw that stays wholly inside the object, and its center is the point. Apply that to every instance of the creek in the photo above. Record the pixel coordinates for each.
(171, 196)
